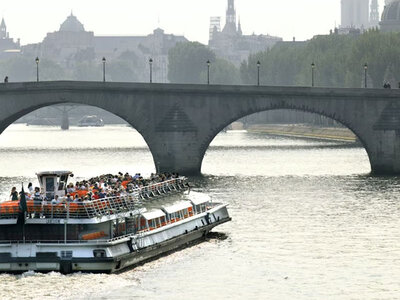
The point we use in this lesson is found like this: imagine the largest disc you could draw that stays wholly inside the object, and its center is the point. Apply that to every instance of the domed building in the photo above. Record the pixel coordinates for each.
(63, 45)
(390, 21)
(72, 24)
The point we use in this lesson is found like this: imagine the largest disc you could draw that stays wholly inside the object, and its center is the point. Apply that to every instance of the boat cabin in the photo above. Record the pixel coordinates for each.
(200, 204)
(179, 211)
(53, 183)
(152, 220)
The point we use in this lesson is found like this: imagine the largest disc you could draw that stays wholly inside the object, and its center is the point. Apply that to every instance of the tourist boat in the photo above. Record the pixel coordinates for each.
(104, 235)
(91, 121)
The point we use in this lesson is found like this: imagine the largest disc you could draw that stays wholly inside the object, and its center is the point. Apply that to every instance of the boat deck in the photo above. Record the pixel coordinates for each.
(92, 208)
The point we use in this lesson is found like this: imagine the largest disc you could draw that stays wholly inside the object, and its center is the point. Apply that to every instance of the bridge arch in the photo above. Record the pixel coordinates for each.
(270, 106)
(12, 118)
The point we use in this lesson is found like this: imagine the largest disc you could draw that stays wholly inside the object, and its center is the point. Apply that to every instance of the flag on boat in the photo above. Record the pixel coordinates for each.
(22, 207)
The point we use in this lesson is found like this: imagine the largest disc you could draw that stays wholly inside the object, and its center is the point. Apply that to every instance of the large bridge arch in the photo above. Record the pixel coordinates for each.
(178, 122)
(269, 107)
(20, 104)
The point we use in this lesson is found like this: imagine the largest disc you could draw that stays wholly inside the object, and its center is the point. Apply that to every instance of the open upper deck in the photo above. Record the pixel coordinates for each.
(93, 211)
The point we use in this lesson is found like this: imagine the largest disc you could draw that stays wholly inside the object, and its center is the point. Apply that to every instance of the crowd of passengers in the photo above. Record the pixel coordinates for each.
(99, 187)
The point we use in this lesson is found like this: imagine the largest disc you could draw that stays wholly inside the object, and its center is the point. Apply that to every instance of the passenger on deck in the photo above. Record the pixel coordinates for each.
(70, 188)
(37, 202)
(69, 198)
(55, 201)
(30, 188)
(14, 194)
(77, 199)
(102, 194)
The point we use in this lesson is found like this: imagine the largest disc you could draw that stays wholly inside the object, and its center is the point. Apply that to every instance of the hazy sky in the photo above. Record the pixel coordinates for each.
(31, 20)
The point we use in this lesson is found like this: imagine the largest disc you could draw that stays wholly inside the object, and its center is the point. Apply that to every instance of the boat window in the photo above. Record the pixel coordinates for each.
(61, 186)
(99, 253)
(143, 223)
(151, 223)
(49, 184)
(64, 178)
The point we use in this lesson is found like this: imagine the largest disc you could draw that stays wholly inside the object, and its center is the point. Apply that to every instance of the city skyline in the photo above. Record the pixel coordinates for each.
(302, 20)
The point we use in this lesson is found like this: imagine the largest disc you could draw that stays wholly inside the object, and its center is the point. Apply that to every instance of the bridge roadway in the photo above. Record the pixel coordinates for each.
(178, 122)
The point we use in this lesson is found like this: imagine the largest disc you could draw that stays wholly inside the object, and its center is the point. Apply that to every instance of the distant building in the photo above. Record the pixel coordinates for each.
(358, 16)
(155, 46)
(72, 43)
(231, 44)
(63, 45)
(7, 45)
(215, 25)
(374, 14)
(355, 13)
(390, 21)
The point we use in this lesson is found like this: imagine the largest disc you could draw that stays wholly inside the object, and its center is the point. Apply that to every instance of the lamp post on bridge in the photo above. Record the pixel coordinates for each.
(208, 71)
(37, 68)
(151, 69)
(104, 69)
(258, 72)
(312, 73)
(365, 75)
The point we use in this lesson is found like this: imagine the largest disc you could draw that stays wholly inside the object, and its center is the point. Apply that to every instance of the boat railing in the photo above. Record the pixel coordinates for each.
(92, 208)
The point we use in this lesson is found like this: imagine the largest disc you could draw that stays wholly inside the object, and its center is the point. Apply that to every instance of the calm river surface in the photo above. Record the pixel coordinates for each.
(308, 220)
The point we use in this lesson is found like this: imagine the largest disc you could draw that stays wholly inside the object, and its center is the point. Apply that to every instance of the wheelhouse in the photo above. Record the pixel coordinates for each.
(53, 183)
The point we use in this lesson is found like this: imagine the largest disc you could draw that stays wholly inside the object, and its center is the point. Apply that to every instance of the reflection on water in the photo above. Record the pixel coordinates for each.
(309, 222)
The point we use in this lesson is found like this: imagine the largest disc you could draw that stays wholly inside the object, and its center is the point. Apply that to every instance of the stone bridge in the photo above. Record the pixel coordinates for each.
(178, 122)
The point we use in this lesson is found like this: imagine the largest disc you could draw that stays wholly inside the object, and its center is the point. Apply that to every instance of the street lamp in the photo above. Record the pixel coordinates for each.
(104, 69)
(208, 71)
(365, 75)
(151, 70)
(258, 73)
(37, 68)
(312, 73)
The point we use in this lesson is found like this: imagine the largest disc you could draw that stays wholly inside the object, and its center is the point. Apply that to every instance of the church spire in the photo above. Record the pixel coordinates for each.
(230, 26)
(231, 12)
(3, 29)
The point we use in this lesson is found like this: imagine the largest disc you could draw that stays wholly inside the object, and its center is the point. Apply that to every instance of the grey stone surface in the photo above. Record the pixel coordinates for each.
(179, 122)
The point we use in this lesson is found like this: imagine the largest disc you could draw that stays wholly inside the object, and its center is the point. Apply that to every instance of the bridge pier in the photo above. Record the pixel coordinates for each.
(384, 153)
(176, 152)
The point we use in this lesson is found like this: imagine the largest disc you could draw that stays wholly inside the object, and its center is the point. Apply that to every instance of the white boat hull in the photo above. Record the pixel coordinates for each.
(118, 254)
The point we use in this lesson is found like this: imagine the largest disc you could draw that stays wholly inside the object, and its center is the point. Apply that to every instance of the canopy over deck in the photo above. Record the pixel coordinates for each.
(177, 207)
(153, 214)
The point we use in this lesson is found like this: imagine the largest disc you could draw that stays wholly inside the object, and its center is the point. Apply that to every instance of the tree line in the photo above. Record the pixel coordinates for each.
(127, 67)
(339, 62)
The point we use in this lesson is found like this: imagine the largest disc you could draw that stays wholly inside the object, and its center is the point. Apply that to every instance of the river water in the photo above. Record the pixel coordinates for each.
(308, 220)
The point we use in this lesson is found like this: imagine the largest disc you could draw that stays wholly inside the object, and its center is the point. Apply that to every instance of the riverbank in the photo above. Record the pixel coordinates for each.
(304, 131)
